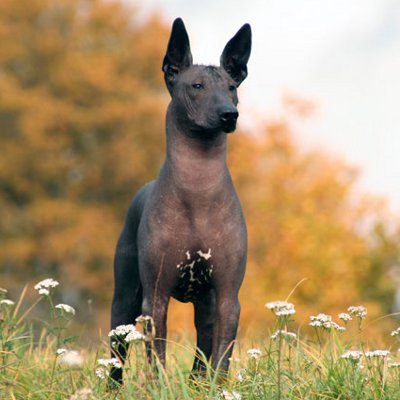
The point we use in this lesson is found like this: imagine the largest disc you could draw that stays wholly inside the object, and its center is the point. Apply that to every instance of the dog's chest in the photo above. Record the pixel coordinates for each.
(194, 276)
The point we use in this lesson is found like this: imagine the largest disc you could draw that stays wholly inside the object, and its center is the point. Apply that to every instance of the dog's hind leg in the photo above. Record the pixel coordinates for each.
(127, 300)
(128, 293)
(204, 316)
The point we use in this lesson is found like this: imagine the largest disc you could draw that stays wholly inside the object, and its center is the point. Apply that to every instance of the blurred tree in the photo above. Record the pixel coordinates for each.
(81, 115)
(307, 220)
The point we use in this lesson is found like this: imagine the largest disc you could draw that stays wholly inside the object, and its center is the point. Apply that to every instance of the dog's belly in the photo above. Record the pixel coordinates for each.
(194, 276)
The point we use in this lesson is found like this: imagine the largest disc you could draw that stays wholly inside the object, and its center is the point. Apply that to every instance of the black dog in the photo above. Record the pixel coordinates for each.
(185, 234)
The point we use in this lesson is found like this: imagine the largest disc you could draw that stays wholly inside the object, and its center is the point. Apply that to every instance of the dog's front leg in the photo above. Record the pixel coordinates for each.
(204, 316)
(225, 328)
(155, 305)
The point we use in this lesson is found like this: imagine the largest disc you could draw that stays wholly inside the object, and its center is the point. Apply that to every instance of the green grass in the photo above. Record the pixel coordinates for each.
(287, 367)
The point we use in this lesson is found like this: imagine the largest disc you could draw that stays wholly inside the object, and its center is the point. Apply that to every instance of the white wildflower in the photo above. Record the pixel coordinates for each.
(109, 362)
(66, 308)
(377, 353)
(352, 355)
(325, 321)
(43, 287)
(320, 320)
(134, 336)
(81, 394)
(275, 335)
(121, 330)
(101, 373)
(285, 334)
(254, 353)
(281, 308)
(71, 358)
(127, 332)
(337, 327)
(226, 395)
(358, 311)
(6, 302)
(345, 317)
(396, 332)
(3, 291)
(61, 351)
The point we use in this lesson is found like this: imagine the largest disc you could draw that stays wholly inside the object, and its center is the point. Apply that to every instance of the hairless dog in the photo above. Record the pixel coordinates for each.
(185, 234)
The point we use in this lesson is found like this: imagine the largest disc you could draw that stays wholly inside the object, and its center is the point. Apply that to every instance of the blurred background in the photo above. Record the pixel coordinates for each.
(82, 110)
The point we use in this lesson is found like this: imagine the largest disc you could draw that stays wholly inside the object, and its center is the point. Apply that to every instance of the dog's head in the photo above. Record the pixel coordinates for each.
(205, 97)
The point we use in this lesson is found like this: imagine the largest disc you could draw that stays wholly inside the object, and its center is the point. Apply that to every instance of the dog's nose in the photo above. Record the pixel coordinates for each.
(229, 116)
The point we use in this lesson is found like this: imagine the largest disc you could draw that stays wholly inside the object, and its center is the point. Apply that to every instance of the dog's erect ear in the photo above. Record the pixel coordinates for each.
(236, 54)
(178, 56)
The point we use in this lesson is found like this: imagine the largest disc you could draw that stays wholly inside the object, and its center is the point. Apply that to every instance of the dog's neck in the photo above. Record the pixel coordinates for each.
(195, 163)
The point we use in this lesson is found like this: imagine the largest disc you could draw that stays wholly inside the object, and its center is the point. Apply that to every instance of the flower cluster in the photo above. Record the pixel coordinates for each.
(71, 358)
(61, 351)
(358, 311)
(121, 330)
(325, 321)
(126, 332)
(281, 308)
(66, 308)
(377, 353)
(6, 302)
(254, 353)
(345, 317)
(43, 287)
(285, 334)
(134, 336)
(396, 332)
(352, 355)
(109, 362)
(101, 373)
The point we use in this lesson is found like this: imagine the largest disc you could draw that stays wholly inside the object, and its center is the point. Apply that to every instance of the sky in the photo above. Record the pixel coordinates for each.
(342, 54)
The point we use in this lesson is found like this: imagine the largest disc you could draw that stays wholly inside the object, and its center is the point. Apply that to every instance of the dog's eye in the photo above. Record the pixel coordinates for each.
(197, 86)
(232, 88)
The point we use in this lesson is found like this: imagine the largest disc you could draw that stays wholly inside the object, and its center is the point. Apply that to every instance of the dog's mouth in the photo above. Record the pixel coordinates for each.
(229, 127)
(214, 126)
(226, 128)
(213, 131)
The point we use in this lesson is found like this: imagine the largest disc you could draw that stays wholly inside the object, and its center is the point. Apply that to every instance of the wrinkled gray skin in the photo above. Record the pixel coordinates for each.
(185, 235)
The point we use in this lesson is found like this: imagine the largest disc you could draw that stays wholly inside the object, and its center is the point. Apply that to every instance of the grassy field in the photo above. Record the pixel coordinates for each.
(333, 363)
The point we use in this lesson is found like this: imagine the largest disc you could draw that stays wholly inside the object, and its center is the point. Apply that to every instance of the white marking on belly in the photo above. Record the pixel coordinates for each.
(188, 255)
